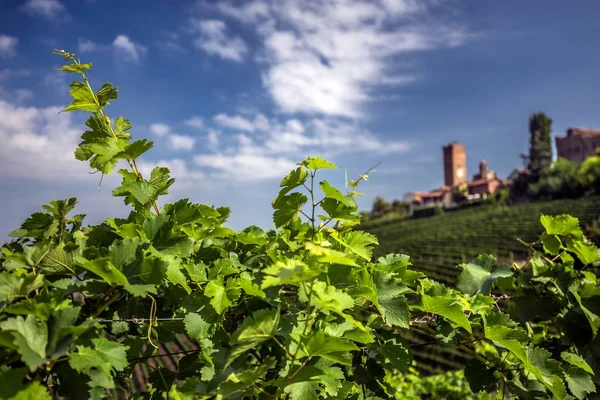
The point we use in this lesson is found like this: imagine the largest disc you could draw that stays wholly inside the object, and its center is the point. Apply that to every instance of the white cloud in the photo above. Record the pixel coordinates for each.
(22, 95)
(260, 122)
(326, 56)
(7, 73)
(38, 143)
(44, 8)
(8, 46)
(276, 150)
(170, 46)
(130, 50)
(195, 122)
(213, 39)
(180, 142)
(86, 45)
(160, 129)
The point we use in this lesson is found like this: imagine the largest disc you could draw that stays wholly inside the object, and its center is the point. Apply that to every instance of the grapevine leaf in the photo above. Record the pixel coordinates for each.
(258, 328)
(331, 192)
(290, 271)
(78, 68)
(249, 287)
(338, 211)
(196, 326)
(328, 297)
(552, 244)
(479, 277)
(547, 370)
(83, 98)
(326, 255)
(104, 268)
(11, 381)
(588, 253)
(287, 208)
(292, 180)
(33, 391)
(397, 353)
(447, 307)
(580, 383)
(216, 291)
(30, 336)
(135, 149)
(577, 361)
(106, 93)
(122, 125)
(358, 242)
(13, 287)
(391, 301)
(330, 347)
(563, 225)
(316, 163)
(303, 391)
(480, 377)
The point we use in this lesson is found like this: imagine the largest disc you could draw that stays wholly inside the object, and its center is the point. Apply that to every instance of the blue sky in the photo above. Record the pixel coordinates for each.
(235, 93)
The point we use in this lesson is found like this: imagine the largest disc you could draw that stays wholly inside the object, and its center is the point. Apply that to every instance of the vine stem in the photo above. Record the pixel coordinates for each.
(131, 163)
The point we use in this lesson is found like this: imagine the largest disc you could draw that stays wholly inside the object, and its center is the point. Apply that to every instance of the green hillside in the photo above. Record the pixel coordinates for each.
(438, 244)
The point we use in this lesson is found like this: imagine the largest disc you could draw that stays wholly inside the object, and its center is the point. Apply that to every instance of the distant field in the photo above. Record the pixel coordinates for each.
(438, 244)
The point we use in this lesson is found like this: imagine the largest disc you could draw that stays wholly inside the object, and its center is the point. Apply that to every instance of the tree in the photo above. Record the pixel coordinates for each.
(380, 206)
(540, 144)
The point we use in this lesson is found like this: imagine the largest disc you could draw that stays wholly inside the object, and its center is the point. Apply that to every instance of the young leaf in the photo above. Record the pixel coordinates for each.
(480, 276)
(83, 98)
(332, 348)
(316, 163)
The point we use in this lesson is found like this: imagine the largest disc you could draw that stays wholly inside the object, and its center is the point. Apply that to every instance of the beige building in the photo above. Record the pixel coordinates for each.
(579, 144)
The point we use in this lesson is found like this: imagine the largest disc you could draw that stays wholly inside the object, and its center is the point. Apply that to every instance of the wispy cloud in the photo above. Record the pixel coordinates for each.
(213, 39)
(325, 56)
(160, 129)
(180, 142)
(239, 122)
(87, 45)
(129, 49)
(7, 73)
(8, 46)
(195, 122)
(50, 9)
(267, 149)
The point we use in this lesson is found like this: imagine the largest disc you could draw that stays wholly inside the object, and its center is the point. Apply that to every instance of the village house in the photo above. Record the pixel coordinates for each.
(579, 144)
(483, 183)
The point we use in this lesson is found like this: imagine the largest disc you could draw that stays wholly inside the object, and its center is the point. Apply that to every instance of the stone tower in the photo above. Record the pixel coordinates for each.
(455, 164)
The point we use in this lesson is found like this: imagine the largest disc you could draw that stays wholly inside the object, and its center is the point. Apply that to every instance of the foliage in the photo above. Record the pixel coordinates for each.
(567, 179)
(300, 312)
(540, 144)
(460, 193)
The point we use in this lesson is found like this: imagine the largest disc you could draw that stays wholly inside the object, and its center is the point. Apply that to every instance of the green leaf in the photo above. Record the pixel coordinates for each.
(253, 331)
(215, 289)
(106, 93)
(577, 361)
(390, 300)
(316, 163)
(580, 383)
(303, 391)
(142, 191)
(333, 193)
(100, 361)
(552, 244)
(588, 253)
(135, 149)
(447, 307)
(290, 271)
(327, 255)
(33, 391)
(11, 381)
(330, 298)
(104, 268)
(75, 67)
(30, 337)
(83, 98)
(292, 180)
(13, 287)
(480, 276)
(563, 225)
(249, 287)
(397, 353)
(332, 348)
(338, 211)
(196, 326)
(545, 369)
(480, 377)
(287, 208)
(358, 242)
